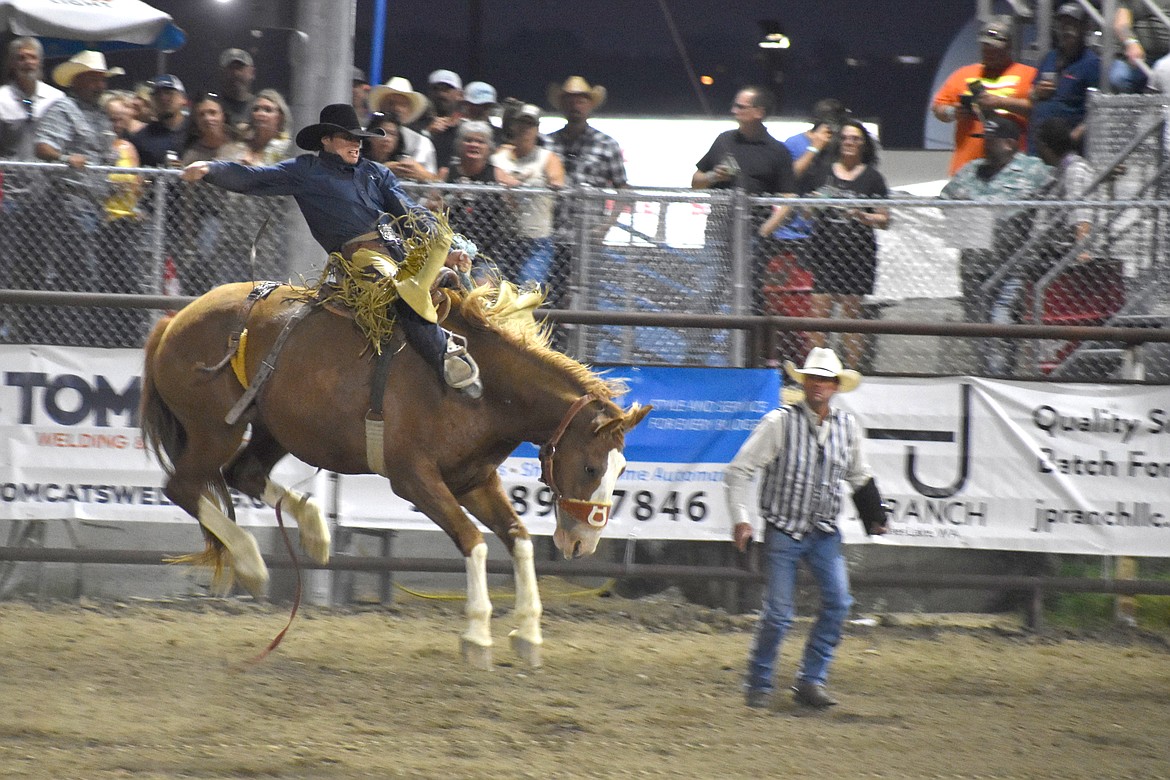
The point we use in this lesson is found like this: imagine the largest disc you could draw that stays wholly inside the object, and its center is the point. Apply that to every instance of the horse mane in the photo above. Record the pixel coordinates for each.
(477, 309)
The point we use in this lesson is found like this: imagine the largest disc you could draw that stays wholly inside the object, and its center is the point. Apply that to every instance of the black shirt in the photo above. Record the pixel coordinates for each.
(155, 140)
(764, 163)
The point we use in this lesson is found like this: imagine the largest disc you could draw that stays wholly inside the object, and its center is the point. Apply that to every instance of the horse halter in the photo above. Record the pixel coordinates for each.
(592, 513)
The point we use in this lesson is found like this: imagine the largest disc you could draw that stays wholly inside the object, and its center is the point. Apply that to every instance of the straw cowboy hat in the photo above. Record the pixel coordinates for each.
(576, 85)
(822, 361)
(335, 118)
(399, 86)
(83, 62)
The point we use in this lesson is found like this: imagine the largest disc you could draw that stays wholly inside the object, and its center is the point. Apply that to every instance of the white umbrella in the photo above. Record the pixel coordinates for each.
(68, 26)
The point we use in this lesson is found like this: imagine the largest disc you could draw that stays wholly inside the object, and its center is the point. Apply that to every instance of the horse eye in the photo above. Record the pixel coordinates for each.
(591, 471)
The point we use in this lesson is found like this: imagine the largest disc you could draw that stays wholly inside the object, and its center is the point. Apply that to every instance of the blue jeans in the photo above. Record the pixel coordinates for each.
(822, 554)
(1125, 78)
(539, 262)
(999, 355)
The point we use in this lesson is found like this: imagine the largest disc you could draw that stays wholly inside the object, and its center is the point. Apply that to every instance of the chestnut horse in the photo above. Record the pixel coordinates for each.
(440, 449)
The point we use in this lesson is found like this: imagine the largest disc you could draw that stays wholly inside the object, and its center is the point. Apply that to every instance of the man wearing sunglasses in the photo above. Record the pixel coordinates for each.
(23, 98)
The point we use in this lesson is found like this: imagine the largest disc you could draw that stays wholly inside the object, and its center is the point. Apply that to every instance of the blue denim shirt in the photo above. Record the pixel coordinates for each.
(339, 201)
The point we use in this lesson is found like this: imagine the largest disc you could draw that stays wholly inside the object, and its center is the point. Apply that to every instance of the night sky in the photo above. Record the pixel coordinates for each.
(840, 48)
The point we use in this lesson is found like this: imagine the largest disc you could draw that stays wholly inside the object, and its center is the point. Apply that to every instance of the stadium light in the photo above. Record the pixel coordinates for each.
(774, 37)
(775, 41)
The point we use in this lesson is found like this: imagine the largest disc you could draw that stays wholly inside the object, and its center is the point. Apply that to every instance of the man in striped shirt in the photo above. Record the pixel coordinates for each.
(805, 451)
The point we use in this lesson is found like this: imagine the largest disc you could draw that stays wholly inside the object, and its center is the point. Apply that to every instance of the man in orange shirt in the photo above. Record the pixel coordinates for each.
(997, 85)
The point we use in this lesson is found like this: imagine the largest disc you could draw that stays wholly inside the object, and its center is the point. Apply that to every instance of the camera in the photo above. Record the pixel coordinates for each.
(977, 88)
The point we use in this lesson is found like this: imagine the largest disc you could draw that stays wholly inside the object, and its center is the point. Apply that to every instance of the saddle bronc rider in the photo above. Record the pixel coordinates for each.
(346, 201)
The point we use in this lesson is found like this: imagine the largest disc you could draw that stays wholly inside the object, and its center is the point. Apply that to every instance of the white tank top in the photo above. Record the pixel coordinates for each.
(534, 212)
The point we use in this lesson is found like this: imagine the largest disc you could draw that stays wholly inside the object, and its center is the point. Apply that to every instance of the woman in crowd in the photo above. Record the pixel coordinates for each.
(484, 217)
(390, 150)
(122, 109)
(203, 256)
(267, 140)
(531, 166)
(210, 136)
(842, 250)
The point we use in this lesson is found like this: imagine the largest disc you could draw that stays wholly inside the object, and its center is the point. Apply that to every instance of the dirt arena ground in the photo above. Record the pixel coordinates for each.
(645, 688)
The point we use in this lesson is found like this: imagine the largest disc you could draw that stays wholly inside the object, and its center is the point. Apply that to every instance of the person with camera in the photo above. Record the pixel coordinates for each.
(997, 86)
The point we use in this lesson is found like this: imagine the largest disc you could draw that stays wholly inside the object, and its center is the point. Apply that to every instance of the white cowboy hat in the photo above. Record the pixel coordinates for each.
(83, 62)
(399, 86)
(822, 361)
(576, 85)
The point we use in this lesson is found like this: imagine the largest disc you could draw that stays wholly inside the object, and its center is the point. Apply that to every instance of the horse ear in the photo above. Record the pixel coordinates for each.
(635, 415)
(622, 424)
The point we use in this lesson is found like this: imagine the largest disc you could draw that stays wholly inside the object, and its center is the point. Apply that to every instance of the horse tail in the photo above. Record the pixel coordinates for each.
(165, 436)
(162, 432)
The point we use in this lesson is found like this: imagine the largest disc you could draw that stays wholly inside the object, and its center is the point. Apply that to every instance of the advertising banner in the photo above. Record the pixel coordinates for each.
(71, 447)
(967, 463)
(1063, 468)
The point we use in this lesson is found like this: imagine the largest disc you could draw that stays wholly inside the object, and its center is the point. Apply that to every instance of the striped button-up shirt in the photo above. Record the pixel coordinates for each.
(804, 462)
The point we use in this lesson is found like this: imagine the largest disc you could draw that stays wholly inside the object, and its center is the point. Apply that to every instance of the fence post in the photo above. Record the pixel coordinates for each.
(741, 271)
(579, 264)
(158, 233)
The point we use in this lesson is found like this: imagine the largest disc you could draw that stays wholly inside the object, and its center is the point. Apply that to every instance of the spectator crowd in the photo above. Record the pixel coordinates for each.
(1018, 131)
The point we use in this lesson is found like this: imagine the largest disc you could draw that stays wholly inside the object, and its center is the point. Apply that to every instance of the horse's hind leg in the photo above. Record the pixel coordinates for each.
(197, 468)
(490, 505)
(249, 473)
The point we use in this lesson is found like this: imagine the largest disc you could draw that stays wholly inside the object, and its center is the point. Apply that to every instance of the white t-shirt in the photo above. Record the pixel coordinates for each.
(16, 127)
(535, 212)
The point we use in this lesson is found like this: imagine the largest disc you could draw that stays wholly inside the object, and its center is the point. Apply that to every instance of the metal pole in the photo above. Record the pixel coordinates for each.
(377, 41)
(741, 270)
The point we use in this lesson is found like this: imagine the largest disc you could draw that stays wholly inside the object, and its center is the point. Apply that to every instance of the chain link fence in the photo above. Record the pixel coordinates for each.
(641, 250)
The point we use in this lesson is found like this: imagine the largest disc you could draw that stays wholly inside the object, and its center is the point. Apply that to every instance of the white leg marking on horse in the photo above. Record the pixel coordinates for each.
(315, 539)
(246, 560)
(526, 638)
(477, 639)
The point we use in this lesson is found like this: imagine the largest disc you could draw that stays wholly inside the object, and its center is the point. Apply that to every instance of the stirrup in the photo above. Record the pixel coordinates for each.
(460, 370)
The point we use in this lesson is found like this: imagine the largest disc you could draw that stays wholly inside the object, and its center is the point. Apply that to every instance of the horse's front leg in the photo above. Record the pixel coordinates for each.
(491, 506)
(432, 498)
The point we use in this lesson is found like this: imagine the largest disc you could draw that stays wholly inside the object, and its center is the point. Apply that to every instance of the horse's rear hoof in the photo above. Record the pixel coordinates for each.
(252, 575)
(477, 656)
(527, 650)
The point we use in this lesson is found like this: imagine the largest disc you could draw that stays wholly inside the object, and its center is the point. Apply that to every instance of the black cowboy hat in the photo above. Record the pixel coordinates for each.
(335, 118)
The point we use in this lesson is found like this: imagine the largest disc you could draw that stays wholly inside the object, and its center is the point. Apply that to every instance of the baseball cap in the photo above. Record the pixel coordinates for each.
(1073, 10)
(359, 76)
(449, 77)
(167, 81)
(479, 93)
(996, 32)
(529, 111)
(234, 55)
(999, 127)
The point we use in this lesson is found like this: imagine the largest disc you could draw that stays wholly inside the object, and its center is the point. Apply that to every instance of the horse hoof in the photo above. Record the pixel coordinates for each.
(252, 574)
(315, 538)
(477, 656)
(526, 649)
(317, 549)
